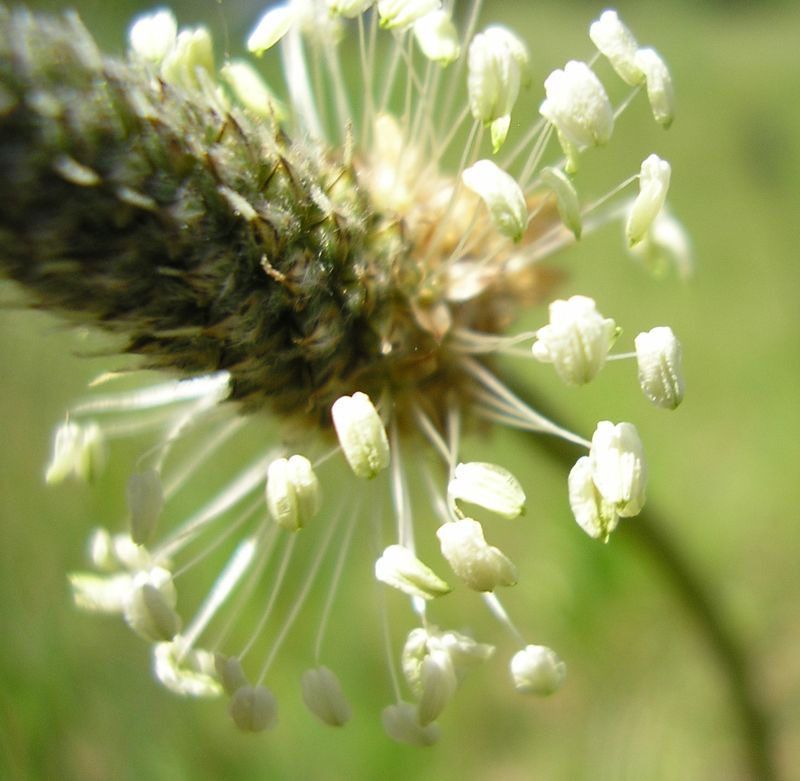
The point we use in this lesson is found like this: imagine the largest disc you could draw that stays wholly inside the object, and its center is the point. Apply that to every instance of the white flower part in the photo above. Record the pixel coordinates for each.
(576, 341)
(480, 565)
(253, 709)
(317, 26)
(145, 501)
(400, 568)
(152, 36)
(188, 672)
(323, 695)
(293, 492)
(361, 434)
(666, 245)
(272, 26)
(437, 37)
(659, 86)
(395, 167)
(100, 593)
(401, 724)
(594, 515)
(489, 486)
(658, 354)
(401, 14)
(150, 605)
(578, 106)
(497, 65)
(130, 555)
(348, 8)
(416, 648)
(251, 90)
(101, 550)
(616, 42)
(502, 195)
(537, 670)
(429, 669)
(229, 673)
(569, 207)
(109, 553)
(619, 470)
(438, 684)
(78, 450)
(192, 56)
(653, 187)
(463, 651)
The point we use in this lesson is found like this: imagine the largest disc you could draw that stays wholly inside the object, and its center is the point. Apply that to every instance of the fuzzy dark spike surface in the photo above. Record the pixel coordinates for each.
(200, 234)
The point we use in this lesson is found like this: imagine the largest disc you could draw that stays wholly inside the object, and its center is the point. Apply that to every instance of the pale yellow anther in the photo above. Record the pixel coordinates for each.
(659, 86)
(150, 605)
(653, 187)
(271, 27)
(189, 672)
(597, 517)
(401, 723)
(252, 91)
(350, 9)
(537, 670)
(437, 37)
(577, 105)
(361, 434)
(400, 568)
(323, 695)
(191, 61)
(293, 492)
(79, 450)
(616, 42)
(152, 36)
(658, 355)
(253, 709)
(619, 470)
(576, 340)
(480, 565)
(502, 195)
(569, 207)
(497, 65)
(401, 14)
(489, 486)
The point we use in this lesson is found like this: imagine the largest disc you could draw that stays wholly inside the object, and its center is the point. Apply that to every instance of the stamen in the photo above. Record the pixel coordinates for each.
(224, 500)
(299, 601)
(229, 578)
(297, 81)
(267, 537)
(212, 385)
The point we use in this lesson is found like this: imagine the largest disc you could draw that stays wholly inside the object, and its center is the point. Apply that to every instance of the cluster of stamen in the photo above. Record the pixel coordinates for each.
(462, 253)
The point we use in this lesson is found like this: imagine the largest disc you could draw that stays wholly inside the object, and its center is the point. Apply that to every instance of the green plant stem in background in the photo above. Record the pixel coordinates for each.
(697, 597)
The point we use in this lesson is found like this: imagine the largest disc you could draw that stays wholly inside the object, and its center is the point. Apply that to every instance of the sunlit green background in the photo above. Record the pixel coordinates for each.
(645, 699)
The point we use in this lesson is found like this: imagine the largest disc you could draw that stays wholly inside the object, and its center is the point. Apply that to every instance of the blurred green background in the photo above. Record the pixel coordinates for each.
(645, 699)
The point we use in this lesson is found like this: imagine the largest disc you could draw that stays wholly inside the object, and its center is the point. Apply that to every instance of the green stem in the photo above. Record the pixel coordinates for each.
(699, 601)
